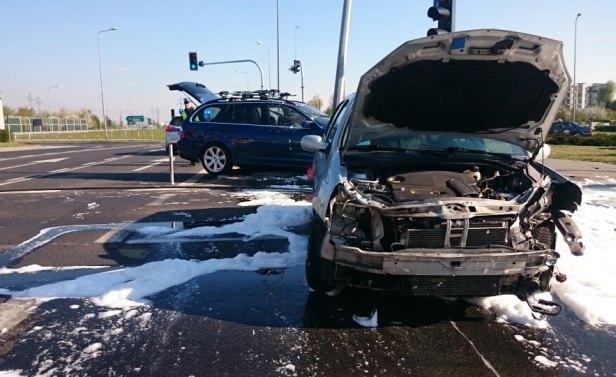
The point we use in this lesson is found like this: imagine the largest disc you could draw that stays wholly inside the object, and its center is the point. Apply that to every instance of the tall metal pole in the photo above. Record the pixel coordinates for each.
(302, 72)
(278, 42)
(100, 71)
(342, 50)
(296, 27)
(201, 64)
(575, 89)
(269, 71)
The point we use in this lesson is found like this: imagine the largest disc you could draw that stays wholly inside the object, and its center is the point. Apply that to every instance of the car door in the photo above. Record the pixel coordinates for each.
(300, 128)
(273, 137)
(244, 131)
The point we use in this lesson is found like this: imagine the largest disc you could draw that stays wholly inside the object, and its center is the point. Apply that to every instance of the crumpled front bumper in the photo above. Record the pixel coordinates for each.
(441, 262)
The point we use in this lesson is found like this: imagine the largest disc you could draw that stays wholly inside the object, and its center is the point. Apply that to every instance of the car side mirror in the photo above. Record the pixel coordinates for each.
(309, 124)
(313, 143)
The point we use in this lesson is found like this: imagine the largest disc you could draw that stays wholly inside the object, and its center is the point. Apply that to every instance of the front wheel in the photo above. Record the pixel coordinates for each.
(216, 159)
(316, 266)
(576, 134)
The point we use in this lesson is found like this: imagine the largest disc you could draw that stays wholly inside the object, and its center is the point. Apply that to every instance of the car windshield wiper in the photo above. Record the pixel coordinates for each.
(453, 149)
(378, 147)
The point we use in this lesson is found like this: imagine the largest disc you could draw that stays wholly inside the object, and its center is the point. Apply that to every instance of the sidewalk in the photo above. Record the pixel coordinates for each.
(578, 170)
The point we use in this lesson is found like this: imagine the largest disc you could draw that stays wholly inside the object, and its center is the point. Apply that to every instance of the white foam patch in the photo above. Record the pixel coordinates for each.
(370, 322)
(36, 268)
(129, 287)
(545, 361)
(589, 290)
(509, 308)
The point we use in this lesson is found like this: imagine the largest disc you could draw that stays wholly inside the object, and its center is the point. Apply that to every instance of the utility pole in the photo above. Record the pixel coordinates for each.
(30, 100)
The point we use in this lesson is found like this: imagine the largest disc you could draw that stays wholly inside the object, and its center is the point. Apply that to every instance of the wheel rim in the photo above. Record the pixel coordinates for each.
(215, 159)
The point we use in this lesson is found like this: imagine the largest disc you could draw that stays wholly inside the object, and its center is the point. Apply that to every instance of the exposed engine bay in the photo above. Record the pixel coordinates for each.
(461, 215)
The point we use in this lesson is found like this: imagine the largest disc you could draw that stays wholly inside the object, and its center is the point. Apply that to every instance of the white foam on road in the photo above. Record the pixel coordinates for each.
(588, 290)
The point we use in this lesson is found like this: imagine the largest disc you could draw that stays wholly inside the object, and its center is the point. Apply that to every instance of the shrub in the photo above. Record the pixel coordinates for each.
(598, 140)
(605, 128)
(4, 136)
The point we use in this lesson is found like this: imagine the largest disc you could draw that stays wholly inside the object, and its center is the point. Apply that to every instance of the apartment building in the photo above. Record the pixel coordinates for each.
(586, 95)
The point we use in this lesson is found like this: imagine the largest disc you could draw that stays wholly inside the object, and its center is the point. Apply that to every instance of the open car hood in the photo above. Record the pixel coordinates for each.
(197, 91)
(501, 84)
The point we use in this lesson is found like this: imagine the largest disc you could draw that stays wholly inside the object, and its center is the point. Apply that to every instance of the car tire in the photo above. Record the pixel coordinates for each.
(576, 134)
(316, 266)
(216, 159)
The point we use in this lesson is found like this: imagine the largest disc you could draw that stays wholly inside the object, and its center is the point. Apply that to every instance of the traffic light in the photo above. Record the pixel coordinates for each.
(194, 63)
(442, 11)
(296, 66)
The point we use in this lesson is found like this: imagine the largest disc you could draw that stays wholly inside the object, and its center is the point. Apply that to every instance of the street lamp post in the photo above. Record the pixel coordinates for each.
(269, 71)
(49, 96)
(100, 71)
(247, 82)
(575, 89)
(296, 27)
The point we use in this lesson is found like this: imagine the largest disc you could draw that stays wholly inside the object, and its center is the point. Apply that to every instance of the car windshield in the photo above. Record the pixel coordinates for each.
(312, 111)
(418, 142)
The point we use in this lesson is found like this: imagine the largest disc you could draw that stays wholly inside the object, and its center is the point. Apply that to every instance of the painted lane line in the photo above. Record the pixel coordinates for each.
(65, 152)
(191, 181)
(53, 172)
(24, 179)
(59, 170)
(29, 192)
(35, 162)
(156, 162)
(485, 361)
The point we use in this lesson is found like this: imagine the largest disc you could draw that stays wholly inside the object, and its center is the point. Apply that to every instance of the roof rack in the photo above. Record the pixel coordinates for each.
(257, 94)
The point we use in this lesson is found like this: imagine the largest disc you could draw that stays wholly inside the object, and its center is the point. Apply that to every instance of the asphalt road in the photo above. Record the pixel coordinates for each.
(227, 323)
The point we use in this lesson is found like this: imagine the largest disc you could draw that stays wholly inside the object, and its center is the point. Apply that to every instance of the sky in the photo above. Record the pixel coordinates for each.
(50, 49)
(122, 294)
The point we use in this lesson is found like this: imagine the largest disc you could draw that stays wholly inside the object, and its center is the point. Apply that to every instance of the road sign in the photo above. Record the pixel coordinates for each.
(135, 118)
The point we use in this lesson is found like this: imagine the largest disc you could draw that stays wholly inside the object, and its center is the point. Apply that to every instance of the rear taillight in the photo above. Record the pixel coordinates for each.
(169, 129)
(309, 172)
(181, 134)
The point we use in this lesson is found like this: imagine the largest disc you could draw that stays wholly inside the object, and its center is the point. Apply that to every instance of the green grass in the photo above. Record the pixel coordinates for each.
(8, 145)
(157, 134)
(584, 153)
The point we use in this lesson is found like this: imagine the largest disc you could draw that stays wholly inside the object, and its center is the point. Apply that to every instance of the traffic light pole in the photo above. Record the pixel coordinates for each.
(342, 50)
(302, 72)
(201, 64)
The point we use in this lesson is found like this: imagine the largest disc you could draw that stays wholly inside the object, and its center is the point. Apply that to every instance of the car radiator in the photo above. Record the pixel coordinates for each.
(459, 233)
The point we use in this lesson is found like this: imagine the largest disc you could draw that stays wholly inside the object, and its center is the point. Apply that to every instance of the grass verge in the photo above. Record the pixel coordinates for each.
(584, 153)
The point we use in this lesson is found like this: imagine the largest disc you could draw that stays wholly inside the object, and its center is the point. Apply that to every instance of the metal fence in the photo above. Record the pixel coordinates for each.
(25, 124)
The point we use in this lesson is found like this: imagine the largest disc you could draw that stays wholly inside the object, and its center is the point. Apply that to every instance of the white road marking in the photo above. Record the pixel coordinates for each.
(36, 162)
(22, 179)
(191, 181)
(486, 362)
(156, 162)
(71, 151)
(29, 192)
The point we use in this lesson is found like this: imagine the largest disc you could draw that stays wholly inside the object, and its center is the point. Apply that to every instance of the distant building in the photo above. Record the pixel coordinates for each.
(586, 95)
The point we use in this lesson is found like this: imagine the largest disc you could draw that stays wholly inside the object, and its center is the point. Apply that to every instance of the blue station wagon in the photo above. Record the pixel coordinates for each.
(236, 130)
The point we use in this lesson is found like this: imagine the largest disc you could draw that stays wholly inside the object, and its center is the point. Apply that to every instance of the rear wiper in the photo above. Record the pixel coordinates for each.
(378, 147)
